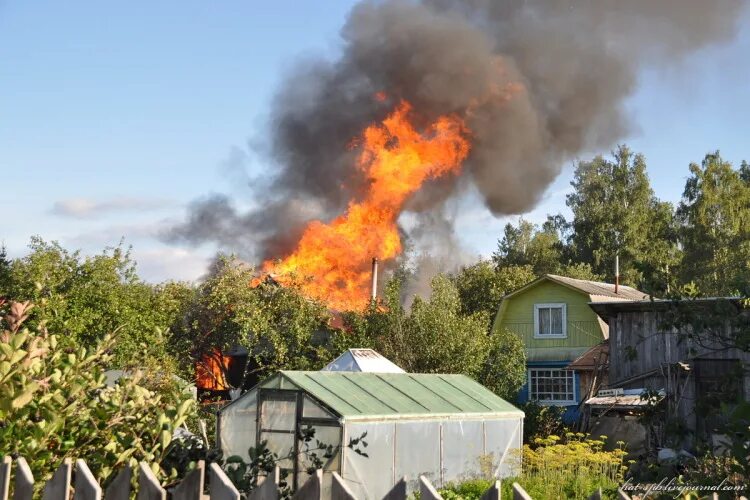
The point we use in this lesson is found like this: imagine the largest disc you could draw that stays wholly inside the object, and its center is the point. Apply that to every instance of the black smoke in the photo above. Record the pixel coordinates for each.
(538, 82)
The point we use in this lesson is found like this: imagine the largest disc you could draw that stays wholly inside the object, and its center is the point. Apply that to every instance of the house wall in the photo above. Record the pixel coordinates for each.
(583, 327)
(583, 330)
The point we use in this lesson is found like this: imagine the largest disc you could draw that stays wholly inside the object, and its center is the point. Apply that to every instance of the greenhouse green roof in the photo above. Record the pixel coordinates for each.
(370, 395)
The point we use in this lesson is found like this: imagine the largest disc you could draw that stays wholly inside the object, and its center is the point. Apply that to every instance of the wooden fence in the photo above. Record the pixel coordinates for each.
(193, 486)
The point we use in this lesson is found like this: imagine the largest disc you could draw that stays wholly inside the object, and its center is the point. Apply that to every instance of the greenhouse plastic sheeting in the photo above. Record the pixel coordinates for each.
(444, 451)
(418, 449)
(238, 425)
(372, 476)
(504, 440)
(463, 449)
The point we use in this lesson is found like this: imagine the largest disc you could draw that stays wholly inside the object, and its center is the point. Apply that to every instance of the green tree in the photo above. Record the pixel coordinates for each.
(435, 336)
(714, 217)
(279, 326)
(85, 298)
(615, 212)
(55, 404)
(5, 263)
(481, 286)
(529, 245)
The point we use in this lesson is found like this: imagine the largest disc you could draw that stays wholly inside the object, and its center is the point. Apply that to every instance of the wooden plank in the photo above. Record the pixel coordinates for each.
(5, 477)
(597, 495)
(398, 492)
(519, 493)
(621, 495)
(23, 486)
(191, 486)
(58, 488)
(119, 488)
(493, 493)
(268, 489)
(148, 486)
(87, 488)
(339, 489)
(221, 487)
(312, 488)
(427, 491)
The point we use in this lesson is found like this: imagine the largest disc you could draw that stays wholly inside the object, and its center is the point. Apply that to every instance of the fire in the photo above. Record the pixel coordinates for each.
(396, 159)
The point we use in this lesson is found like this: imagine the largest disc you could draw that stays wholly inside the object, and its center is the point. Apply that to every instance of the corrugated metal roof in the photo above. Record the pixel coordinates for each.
(374, 395)
(599, 290)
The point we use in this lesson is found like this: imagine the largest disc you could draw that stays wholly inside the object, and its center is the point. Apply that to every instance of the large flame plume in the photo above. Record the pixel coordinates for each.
(331, 260)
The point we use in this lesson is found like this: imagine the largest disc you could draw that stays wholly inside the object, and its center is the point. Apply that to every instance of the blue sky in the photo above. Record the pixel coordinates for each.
(115, 115)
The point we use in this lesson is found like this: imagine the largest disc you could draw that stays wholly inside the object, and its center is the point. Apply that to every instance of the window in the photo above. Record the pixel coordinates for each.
(549, 320)
(552, 386)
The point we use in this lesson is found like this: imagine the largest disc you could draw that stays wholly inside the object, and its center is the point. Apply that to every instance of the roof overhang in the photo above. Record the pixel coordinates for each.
(605, 310)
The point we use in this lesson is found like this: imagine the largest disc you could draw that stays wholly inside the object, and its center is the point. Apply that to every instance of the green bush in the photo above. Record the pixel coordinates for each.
(55, 404)
(573, 467)
(541, 422)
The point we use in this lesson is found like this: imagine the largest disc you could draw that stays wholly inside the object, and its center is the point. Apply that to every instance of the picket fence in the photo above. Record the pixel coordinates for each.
(193, 486)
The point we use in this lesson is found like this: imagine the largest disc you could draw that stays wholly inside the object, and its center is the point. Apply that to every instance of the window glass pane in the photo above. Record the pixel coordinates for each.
(311, 409)
(551, 385)
(282, 444)
(279, 413)
(556, 321)
(544, 321)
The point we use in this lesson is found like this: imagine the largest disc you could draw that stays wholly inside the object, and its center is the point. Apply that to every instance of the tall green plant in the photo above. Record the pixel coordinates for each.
(55, 403)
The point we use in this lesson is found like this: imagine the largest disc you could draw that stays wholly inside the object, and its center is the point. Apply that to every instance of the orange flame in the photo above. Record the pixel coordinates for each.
(396, 160)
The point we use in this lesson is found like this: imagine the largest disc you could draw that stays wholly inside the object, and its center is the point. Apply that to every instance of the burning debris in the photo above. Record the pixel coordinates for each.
(499, 93)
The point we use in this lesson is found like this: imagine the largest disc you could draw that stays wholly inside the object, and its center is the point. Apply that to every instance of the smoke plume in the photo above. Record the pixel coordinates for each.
(536, 81)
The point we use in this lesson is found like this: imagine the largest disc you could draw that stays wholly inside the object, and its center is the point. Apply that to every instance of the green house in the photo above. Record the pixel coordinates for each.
(553, 318)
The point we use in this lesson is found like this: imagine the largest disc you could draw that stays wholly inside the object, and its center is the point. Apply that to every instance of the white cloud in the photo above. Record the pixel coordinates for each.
(82, 208)
(169, 263)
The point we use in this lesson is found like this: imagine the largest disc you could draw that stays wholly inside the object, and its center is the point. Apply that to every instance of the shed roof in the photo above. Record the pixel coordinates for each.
(589, 360)
(360, 395)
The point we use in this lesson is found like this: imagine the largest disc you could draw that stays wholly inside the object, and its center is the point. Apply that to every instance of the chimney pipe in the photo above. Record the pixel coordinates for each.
(617, 273)
(374, 294)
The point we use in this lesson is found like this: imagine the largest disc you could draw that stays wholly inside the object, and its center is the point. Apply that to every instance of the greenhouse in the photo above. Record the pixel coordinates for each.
(446, 427)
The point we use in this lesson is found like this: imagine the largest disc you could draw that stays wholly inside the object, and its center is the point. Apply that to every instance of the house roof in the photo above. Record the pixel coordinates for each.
(367, 396)
(362, 360)
(597, 355)
(605, 309)
(598, 291)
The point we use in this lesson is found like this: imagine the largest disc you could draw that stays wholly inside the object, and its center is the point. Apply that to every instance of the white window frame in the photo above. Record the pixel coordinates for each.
(568, 373)
(552, 305)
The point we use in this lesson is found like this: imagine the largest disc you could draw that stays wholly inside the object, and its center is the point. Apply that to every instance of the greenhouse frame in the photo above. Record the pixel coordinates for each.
(446, 427)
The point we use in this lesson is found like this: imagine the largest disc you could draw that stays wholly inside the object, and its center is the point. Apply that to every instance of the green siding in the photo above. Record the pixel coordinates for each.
(583, 327)
(377, 395)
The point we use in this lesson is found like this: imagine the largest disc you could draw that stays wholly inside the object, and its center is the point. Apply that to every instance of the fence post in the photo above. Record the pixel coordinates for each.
(312, 488)
(597, 495)
(221, 487)
(268, 489)
(191, 486)
(519, 493)
(493, 493)
(339, 489)
(58, 488)
(23, 486)
(4, 477)
(621, 495)
(87, 488)
(427, 491)
(398, 492)
(148, 486)
(119, 488)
